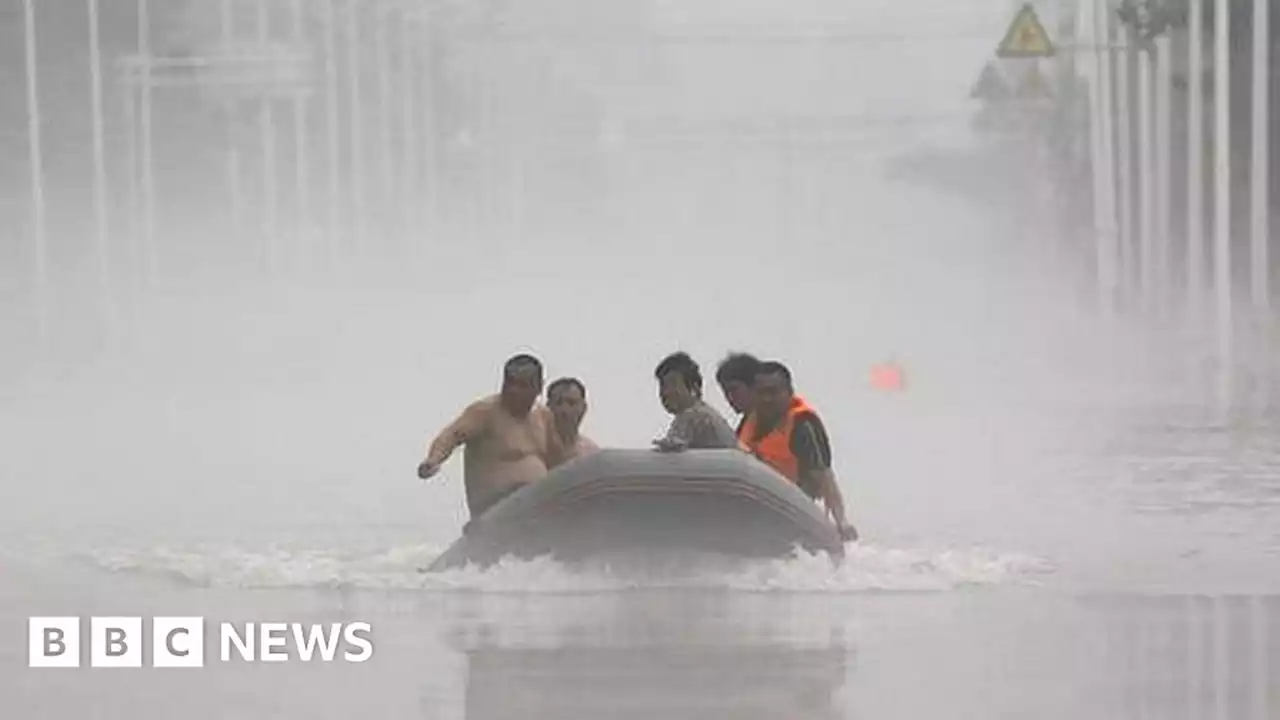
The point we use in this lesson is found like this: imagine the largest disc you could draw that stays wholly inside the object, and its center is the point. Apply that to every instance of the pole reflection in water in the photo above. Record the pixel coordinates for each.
(655, 660)
(686, 655)
(1194, 657)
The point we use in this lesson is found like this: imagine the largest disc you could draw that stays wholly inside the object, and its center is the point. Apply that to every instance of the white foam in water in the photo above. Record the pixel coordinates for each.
(867, 568)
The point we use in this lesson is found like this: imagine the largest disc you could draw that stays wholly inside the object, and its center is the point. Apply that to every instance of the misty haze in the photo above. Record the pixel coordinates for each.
(248, 277)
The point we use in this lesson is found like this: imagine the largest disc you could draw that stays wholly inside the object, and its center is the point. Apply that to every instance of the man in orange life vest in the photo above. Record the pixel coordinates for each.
(783, 431)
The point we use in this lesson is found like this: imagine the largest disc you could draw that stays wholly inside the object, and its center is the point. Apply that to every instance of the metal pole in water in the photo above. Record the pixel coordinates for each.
(1102, 20)
(40, 280)
(1222, 195)
(484, 147)
(133, 185)
(148, 152)
(267, 131)
(1260, 185)
(357, 131)
(1124, 110)
(1147, 180)
(301, 145)
(432, 174)
(101, 221)
(386, 118)
(1261, 179)
(333, 127)
(1195, 168)
(409, 153)
(234, 189)
(1163, 173)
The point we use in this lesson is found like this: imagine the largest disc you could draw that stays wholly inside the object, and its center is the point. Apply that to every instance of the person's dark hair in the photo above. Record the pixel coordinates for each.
(567, 382)
(523, 360)
(737, 366)
(773, 367)
(681, 363)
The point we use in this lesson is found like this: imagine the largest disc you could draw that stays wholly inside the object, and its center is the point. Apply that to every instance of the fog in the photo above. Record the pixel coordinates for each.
(226, 400)
(222, 417)
(826, 203)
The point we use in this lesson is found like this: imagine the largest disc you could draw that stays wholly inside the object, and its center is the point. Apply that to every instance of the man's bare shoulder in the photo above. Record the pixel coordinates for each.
(485, 404)
(478, 413)
(585, 445)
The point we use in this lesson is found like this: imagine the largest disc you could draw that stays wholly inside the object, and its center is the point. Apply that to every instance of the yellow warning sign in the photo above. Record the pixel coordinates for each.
(1026, 37)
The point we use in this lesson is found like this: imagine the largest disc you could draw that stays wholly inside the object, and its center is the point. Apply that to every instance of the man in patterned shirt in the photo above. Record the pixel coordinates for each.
(696, 425)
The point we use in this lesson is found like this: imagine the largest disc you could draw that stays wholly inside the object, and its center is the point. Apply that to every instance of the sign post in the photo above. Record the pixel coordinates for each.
(1020, 96)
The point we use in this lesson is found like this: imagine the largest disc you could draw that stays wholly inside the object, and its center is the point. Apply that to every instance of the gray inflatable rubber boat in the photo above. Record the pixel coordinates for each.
(623, 501)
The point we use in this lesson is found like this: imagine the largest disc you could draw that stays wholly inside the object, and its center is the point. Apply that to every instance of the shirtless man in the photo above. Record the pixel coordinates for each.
(567, 400)
(506, 438)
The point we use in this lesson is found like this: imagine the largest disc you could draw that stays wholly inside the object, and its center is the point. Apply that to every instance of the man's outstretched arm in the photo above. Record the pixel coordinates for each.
(812, 448)
(833, 500)
(465, 428)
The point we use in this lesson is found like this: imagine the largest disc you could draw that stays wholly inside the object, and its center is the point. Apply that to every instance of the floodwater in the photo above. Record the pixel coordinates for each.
(1016, 564)
(1055, 525)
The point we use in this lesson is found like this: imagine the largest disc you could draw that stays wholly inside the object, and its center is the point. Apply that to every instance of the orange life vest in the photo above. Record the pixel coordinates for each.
(774, 448)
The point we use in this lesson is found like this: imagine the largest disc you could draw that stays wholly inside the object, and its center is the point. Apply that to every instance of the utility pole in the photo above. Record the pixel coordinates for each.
(40, 279)
(390, 205)
(1088, 20)
(333, 137)
(356, 127)
(302, 225)
(147, 159)
(1261, 180)
(1195, 167)
(1163, 173)
(1222, 197)
(102, 232)
(1146, 177)
(234, 162)
(1260, 205)
(409, 89)
(1102, 20)
(270, 180)
(1123, 97)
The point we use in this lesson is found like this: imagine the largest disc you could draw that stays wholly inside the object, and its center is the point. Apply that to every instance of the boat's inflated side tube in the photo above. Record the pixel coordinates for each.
(622, 500)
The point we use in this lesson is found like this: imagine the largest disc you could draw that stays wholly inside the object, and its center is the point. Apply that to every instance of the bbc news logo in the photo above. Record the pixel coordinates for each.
(179, 642)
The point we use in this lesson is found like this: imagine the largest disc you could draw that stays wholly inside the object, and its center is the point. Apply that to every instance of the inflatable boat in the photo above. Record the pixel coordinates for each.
(645, 503)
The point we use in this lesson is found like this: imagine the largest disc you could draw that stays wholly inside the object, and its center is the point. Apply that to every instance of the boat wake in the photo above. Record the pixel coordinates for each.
(866, 569)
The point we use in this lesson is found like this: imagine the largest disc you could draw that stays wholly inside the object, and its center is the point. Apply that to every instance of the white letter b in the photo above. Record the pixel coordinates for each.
(53, 642)
(115, 642)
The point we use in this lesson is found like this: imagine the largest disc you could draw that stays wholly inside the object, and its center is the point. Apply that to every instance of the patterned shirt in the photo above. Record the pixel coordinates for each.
(700, 427)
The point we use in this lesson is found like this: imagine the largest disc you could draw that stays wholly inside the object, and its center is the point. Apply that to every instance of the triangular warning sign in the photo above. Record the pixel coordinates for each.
(991, 85)
(1026, 37)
